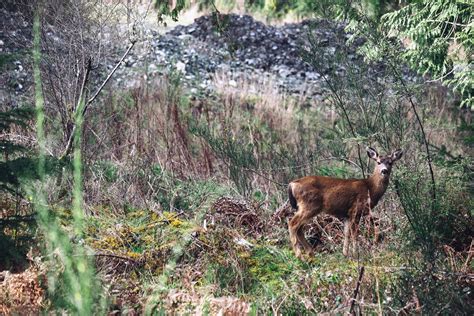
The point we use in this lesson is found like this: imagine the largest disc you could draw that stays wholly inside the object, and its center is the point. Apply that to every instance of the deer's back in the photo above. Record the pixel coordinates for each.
(329, 195)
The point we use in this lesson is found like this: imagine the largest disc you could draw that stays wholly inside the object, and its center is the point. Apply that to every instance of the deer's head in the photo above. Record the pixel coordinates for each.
(384, 163)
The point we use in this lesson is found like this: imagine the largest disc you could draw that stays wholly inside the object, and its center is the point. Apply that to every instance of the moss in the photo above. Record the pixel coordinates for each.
(172, 219)
(269, 267)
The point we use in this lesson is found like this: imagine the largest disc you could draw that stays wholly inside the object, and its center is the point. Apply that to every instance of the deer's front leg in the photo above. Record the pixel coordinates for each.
(354, 222)
(354, 235)
(347, 230)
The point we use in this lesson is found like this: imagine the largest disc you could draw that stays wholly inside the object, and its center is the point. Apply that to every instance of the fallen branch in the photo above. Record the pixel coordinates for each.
(102, 254)
(356, 291)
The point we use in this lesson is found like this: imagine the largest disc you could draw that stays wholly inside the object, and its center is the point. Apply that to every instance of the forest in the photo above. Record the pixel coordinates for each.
(259, 157)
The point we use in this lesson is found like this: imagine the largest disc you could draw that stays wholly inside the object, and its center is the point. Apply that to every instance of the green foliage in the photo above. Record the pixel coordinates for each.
(449, 221)
(6, 59)
(18, 173)
(437, 287)
(106, 169)
(17, 168)
(441, 34)
(19, 117)
(164, 9)
(435, 221)
(14, 163)
(162, 241)
(237, 155)
(16, 235)
(270, 267)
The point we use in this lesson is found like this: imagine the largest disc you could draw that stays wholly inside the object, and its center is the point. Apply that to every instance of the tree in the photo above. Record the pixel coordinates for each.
(441, 41)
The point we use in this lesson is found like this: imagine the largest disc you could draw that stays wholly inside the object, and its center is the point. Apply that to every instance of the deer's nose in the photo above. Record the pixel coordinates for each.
(384, 171)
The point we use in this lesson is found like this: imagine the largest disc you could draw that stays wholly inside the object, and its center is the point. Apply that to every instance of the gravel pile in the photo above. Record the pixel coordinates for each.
(238, 45)
(15, 74)
(233, 46)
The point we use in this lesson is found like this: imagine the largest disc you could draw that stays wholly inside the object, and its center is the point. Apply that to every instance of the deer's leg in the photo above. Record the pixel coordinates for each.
(375, 223)
(296, 230)
(293, 226)
(355, 233)
(305, 219)
(302, 240)
(347, 230)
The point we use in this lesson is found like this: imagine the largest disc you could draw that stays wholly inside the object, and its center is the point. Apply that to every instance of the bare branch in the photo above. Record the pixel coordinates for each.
(69, 145)
(356, 291)
(109, 76)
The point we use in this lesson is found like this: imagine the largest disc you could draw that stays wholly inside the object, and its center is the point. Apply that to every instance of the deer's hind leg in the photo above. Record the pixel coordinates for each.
(355, 235)
(293, 227)
(296, 224)
(300, 233)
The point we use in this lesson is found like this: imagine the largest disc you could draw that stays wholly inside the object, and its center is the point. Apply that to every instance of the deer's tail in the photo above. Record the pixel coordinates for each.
(291, 197)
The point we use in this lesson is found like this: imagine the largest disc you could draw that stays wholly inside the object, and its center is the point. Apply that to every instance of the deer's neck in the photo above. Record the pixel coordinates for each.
(377, 187)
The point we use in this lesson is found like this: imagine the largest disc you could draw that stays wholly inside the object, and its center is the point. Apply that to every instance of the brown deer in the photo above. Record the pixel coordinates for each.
(347, 199)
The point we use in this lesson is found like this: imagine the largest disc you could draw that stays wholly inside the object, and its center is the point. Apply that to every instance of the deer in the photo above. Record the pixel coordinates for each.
(346, 199)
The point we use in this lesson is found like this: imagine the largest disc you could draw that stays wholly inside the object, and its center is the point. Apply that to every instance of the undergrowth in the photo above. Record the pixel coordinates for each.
(168, 203)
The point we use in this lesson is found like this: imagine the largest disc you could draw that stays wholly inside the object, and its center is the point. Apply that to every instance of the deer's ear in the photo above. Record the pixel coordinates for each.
(397, 154)
(372, 153)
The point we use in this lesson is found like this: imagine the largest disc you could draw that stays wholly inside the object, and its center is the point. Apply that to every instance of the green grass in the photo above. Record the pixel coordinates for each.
(171, 247)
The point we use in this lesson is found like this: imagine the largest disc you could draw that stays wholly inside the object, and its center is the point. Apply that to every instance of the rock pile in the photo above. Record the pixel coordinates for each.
(15, 43)
(233, 46)
(240, 46)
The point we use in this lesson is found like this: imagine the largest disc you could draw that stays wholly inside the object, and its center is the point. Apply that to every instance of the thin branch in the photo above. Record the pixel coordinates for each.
(447, 22)
(422, 129)
(108, 77)
(102, 254)
(69, 145)
(17, 219)
(344, 111)
(84, 83)
(356, 291)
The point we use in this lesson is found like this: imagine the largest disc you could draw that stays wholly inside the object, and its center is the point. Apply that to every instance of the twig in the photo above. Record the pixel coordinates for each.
(17, 219)
(422, 129)
(340, 103)
(102, 254)
(110, 75)
(84, 83)
(356, 291)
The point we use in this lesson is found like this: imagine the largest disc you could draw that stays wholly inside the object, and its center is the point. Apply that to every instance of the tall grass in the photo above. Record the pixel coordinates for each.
(71, 280)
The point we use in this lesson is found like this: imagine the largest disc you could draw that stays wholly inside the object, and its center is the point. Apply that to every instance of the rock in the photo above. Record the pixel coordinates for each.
(312, 75)
(181, 67)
